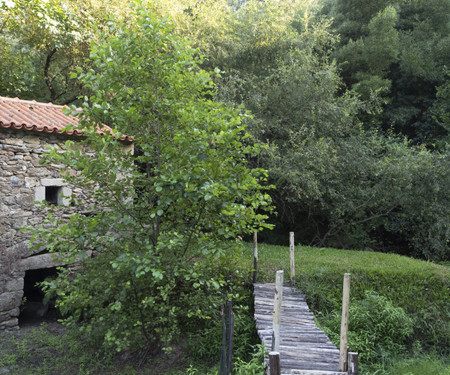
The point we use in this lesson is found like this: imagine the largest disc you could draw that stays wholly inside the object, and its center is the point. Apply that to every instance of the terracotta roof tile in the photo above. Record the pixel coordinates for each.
(31, 115)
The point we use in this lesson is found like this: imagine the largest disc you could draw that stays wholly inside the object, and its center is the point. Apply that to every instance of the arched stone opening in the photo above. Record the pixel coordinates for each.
(33, 310)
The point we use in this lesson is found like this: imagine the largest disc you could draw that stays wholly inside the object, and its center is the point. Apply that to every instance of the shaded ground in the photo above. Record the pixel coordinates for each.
(48, 348)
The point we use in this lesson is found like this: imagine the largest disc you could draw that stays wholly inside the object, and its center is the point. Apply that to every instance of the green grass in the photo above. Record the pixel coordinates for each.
(43, 351)
(410, 283)
(424, 365)
(52, 350)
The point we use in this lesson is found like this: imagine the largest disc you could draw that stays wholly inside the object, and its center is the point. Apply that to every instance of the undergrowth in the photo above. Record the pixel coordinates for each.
(399, 322)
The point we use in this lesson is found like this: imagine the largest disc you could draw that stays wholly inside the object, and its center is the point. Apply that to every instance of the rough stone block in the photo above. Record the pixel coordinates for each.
(15, 182)
(32, 140)
(9, 323)
(39, 261)
(52, 182)
(14, 285)
(66, 194)
(9, 200)
(6, 315)
(39, 194)
(31, 182)
(3, 228)
(4, 172)
(20, 249)
(14, 142)
(10, 300)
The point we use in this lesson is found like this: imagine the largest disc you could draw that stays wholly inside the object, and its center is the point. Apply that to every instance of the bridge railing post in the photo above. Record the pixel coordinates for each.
(343, 360)
(255, 256)
(292, 256)
(274, 363)
(277, 311)
(352, 363)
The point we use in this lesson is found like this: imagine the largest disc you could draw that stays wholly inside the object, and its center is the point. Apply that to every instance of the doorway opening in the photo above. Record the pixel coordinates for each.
(33, 309)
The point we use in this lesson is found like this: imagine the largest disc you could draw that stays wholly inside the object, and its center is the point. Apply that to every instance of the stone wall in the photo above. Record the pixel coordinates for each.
(23, 181)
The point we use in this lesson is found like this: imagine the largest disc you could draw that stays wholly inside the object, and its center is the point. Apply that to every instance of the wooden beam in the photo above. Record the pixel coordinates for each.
(255, 256)
(352, 363)
(274, 363)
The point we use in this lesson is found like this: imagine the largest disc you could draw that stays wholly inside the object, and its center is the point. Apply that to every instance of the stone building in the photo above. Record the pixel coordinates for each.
(27, 128)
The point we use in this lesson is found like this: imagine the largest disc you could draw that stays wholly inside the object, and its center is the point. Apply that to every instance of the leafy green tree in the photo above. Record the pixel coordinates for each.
(43, 41)
(368, 59)
(163, 222)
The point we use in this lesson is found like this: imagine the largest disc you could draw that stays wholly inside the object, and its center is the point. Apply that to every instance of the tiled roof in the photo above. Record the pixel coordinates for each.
(30, 115)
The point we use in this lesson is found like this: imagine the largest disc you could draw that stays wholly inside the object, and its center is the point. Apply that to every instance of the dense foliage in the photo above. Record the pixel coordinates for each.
(400, 49)
(333, 88)
(377, 327)
(162, 222)
(42, 42)
(338, 181)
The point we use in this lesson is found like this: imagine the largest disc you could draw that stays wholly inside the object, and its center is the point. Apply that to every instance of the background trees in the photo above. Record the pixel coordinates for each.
(339, 181)
(333, 91)
(401, 49)
(43, 41)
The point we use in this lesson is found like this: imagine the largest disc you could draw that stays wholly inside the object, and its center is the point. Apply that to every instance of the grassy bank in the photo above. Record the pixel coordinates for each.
(401, 306)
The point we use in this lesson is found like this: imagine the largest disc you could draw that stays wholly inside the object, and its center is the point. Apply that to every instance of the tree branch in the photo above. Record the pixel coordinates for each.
(47, 79)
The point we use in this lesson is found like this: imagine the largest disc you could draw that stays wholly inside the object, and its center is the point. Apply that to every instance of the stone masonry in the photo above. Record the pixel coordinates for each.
(25, 135)
(24, 181)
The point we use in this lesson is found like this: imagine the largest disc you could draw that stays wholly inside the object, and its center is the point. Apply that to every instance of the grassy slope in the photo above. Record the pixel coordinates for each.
(420, 288)
(409, 281)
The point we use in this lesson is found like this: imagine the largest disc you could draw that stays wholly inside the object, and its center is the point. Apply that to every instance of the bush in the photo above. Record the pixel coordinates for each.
(254, 366)
(375, 326)
(205, 338)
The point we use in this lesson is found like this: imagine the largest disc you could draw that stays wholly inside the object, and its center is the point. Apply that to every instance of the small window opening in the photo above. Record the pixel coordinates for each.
(34, 310)
(52, 194)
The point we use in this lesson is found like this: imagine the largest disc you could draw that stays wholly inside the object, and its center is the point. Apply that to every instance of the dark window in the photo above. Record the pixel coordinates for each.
(51, 194)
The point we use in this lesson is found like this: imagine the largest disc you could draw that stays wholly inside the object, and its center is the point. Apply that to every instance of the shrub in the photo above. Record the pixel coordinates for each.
(205, 338)
(375, 326)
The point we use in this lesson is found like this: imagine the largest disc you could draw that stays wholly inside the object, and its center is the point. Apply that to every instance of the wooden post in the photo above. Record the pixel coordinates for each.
(230, 317)
(352, 363)
(277, 311)
(343, 364)
(255, 256)
(223, 351)
(226, 352)
(274, 363)
(292, 256)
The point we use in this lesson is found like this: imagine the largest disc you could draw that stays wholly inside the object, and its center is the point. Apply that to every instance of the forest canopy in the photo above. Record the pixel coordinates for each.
(351, 100)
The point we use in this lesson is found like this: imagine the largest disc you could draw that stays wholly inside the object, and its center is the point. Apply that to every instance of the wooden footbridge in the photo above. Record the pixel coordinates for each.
(304, 349)
(286, 327)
